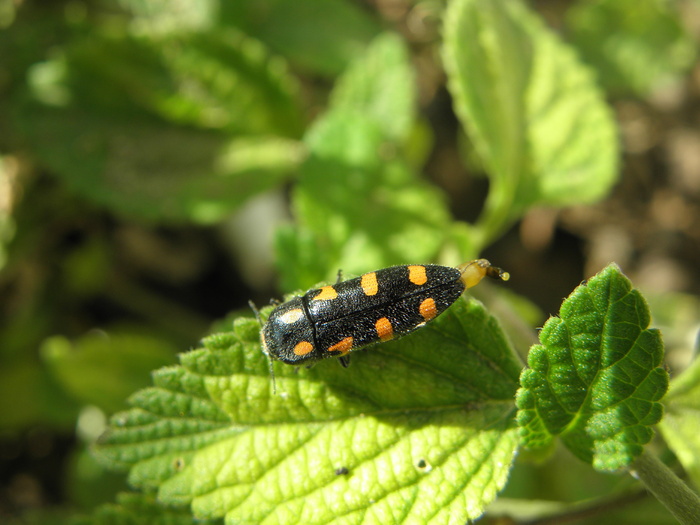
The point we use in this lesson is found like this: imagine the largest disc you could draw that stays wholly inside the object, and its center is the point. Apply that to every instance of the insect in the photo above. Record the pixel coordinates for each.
(378, 306)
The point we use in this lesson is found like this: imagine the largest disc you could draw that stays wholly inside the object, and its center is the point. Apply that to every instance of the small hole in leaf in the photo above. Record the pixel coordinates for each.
(423, 465)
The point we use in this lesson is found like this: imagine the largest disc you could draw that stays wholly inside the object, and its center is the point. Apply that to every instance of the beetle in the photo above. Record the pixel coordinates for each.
(378, 306)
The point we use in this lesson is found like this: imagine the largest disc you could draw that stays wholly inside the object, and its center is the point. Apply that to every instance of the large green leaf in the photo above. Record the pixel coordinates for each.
(538, 121)
(184, 129)
(216, 80)
(358, 203)
(358, 207)
(419, 430)
(595, 380)
(148, 169)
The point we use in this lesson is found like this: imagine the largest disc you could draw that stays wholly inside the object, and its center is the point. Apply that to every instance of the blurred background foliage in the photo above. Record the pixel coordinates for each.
(163, 162)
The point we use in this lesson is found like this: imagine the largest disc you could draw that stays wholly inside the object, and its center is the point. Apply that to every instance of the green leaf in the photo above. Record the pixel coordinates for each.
(28, 397)
(677, 315)
(101, 368)
(380, 86)
(532, 109)
(217, 80)
(359, 204)
(136, 509)
(180, 129)
(153, 171)
(635, 46)
(681, 424)
(595, 379)
(417, 430)
(162, 17)
(293, 30)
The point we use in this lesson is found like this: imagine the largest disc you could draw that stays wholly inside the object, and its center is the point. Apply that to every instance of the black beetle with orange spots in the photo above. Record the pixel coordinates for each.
(377, 306)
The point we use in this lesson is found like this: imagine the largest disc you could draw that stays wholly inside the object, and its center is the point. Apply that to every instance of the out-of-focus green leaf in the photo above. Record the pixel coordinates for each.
(146, 169)
(320, 36)
(102, 369)
(644, 510)
(681, 424)
(595, 380)
(137, 509)
(28, 396)
(635, 46)
(88, 483)
(416, 430)
(217, 80)
(185, 128)
(380, 86)
(359, 205)
(163, 17)
(677, 315)
(532, 109)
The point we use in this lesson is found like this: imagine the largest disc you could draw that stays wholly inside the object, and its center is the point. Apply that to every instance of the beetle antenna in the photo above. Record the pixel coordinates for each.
(262, 346)
(272, 375)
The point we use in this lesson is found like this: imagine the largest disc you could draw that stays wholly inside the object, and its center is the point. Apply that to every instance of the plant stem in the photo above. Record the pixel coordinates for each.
(675, 495)
(497, 215)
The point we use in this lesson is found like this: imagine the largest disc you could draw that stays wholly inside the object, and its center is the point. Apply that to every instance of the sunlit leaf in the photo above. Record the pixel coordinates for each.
(419, 429)
(357, 206)
(595, 380)
(381, 86)
(540, 124)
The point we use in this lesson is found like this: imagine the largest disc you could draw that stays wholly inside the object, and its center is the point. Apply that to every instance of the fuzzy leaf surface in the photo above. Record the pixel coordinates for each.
(419, 430)
(595, 380)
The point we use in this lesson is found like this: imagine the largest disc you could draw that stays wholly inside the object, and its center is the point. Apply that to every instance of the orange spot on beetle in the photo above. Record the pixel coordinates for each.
(343, 346)
(384, 329)
(417, 275)
(303, 348)
(369, 283)
(428, 309)
(326, 294)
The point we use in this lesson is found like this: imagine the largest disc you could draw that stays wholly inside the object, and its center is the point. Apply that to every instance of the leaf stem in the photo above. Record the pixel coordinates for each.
(495, 218)
(660, 480)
